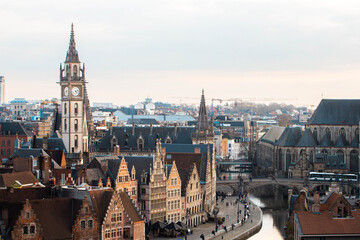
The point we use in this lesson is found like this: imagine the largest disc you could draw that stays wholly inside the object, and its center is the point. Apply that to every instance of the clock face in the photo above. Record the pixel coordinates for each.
(75, 91)
(66, 91)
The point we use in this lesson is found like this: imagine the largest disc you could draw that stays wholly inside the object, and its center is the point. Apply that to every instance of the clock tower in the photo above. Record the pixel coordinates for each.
(75, 107)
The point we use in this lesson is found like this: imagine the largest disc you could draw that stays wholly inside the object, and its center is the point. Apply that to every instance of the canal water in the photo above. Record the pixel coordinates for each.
(273, 202)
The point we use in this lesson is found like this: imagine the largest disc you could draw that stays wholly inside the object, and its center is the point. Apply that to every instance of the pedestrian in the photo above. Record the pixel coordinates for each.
(202, 237)
(225, 228)
(213, 232)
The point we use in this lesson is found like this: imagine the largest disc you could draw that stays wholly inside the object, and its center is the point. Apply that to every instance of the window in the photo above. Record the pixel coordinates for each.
(8, 143)
(119, 232)
(76, 108)
(3, 142)
(113, 233)
(25, 230)
(8, 152)
(74, 70)
(90, 224)
(107, 233)
(82, 224)
(65, 108)
(118, 217)
(315, 133)
(113, 217)
(86, 209)
(65, 124)
(35, 162)
(342, 132)
(27, 215)
(76, 141)
(76, 125)
(2, 152)
(67, 70)
(32, 229)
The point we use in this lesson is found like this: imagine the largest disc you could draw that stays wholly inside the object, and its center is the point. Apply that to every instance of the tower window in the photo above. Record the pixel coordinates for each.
(74, 70)
(67, 70)
(65, 108)
(76, 125)
(76, 141)
(65, 124)
(76, 108)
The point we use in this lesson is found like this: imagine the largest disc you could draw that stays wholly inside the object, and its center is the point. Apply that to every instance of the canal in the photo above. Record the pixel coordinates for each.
(273, 202)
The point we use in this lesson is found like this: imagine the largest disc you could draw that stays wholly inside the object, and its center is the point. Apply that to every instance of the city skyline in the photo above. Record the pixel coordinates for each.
(164, 50)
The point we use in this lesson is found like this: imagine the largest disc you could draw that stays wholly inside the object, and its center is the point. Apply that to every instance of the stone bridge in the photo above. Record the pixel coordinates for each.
(292, 183)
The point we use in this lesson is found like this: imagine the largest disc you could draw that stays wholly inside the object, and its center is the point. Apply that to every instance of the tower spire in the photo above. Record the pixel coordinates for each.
(203, 120)
(72, 55)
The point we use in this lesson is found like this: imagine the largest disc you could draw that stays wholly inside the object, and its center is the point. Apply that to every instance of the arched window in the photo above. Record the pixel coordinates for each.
(342, 132)
(315, 133)
(311, 156)
(354, 161)
(75, 71)
(76, 106)
(65, 108)
(67, 70)
(65, 124)
(76, 125)
(288, 159)
(280, 160)
(168, 140)
(76, 141)
(324, 152)
(340, 154)
(328, 132)
(140, 144)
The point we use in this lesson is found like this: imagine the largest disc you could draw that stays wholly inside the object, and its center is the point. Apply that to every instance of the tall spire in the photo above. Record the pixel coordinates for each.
(203, 120)
(72, 55)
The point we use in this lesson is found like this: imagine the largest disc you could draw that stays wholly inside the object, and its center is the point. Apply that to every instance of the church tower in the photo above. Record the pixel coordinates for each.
(204, 134)
(74, 101)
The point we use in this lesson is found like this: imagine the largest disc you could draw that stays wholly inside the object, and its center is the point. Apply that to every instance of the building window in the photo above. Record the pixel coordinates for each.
(35, 162)
(8, 152)
(65, 108)
(342, 132)
(107, 233)
(67, 70)
(119, 232)
(65, 124)
(3, 142)
(76, 141)
(140, 144)
(328, 132)
(113, 217)
(76, 125)
(118, 217)
(113, 233)
(25, 230)
(74, 70)
(82, 224)
(32, 229)
(90, 224)
(27, 215)
(8, 143)
(76, 108)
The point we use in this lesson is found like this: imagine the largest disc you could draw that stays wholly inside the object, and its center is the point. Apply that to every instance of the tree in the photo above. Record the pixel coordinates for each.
(284, 120)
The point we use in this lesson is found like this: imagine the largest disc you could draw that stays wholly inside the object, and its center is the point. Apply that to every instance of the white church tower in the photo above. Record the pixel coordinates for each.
(74, 101)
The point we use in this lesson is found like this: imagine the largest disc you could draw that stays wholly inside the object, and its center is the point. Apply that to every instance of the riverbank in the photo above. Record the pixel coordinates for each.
(251, 226)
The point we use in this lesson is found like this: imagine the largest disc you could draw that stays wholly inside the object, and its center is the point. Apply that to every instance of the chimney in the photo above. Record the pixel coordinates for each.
(45, 143)
(117, 150)
(316, 205)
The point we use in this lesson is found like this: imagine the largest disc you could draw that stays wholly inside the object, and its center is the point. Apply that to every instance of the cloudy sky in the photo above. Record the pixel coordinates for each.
(294, 51)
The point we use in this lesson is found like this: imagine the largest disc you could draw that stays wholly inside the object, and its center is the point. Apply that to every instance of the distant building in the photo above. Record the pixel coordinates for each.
(2, 90)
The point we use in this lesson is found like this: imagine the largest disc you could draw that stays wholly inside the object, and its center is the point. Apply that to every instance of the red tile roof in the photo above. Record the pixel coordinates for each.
(325, 223)
(22, 177)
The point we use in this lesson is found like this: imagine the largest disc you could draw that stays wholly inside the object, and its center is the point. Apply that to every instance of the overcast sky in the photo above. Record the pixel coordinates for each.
(169, 49)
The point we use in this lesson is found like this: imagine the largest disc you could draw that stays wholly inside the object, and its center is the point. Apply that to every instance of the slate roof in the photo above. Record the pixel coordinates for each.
(341, 141)
(334, 162)
(355, 142)
(145, 121)
(141, 163)
(307, 139)
(20, 195)
(326, 141)
(272, 135)
(336, 112)
(22, 177)
(100, 200)
(93, 175)
(29, 152)
(53, 143)
(126, 140)
(290, 137)
(13, 128)
(129, 207)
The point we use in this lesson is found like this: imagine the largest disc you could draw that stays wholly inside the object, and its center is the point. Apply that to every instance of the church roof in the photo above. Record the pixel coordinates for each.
(340, 142)
(72, 55)
(272, 135)
(336, 112)
(289, 137)
(307, 140)
(326, 141)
